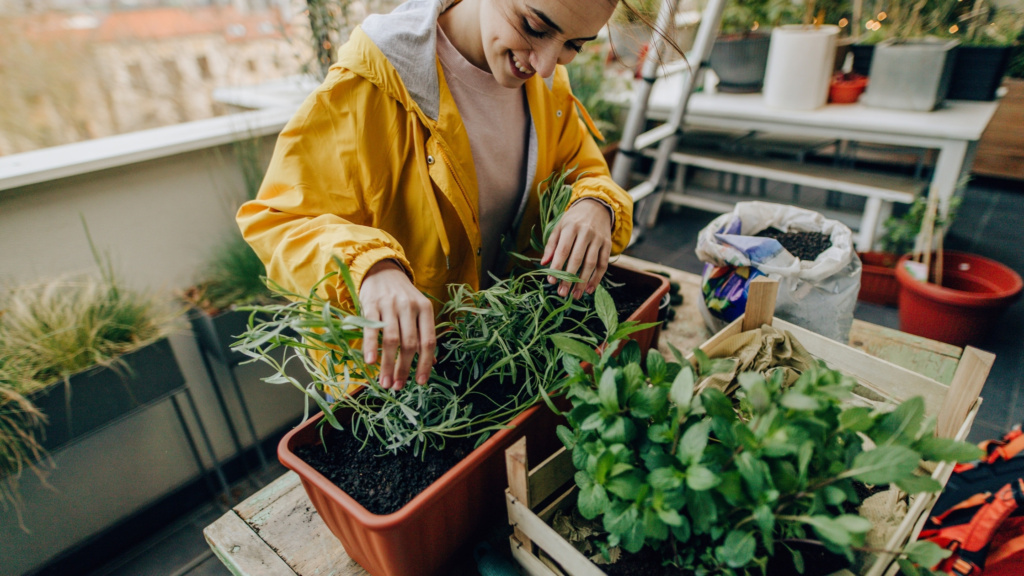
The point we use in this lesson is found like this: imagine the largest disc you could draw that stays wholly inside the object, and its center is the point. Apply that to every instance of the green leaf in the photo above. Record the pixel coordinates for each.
(926, 553)
(830, 531)
(856, 419)
(606, 309)
(717, 404)
(630, 353)
(692, 444)
(605, 462)
(756, 391)
(592, 501)
(901, 425)
(750, 469)
(798, 401)
(854, 524)
(656, 366)
(681, 392)
(918, 484)
(947, 450)
(618, 430)
(765, 518)
(625, 486)
(647, 401)
(654, 528)
(665, 479)
(567, 437)
(884, 465)
(681, 532)
(738, 549)
(634, 376)
(907, 567)
(700, 478)
(670, 517)
(608, 391)
(834, 496)
(660, 433)
(575, 348)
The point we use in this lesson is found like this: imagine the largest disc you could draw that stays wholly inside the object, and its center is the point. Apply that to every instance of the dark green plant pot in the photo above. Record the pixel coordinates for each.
(862, 54)
(100, 396)
(216, 334)
(978, 72)
(739, 62)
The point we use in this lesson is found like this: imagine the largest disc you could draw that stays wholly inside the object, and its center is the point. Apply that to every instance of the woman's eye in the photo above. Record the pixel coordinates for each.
(533, 31)
(575, 46)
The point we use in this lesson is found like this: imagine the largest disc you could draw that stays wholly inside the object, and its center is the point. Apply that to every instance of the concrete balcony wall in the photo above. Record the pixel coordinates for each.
(158, 202)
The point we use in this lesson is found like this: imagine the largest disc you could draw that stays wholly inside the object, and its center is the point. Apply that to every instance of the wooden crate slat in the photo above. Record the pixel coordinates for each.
(549, 476)
(967, 383)
(557, 547)
(883, 377)
(530, 563)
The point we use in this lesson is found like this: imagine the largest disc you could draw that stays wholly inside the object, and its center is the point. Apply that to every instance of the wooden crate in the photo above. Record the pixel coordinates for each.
(534, 495)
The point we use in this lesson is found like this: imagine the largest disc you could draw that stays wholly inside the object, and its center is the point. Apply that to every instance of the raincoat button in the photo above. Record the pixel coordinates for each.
(558, 113)
(430, 159)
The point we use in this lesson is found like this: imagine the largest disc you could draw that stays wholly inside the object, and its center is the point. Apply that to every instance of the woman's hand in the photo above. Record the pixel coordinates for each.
(580, 244)
(388, 296)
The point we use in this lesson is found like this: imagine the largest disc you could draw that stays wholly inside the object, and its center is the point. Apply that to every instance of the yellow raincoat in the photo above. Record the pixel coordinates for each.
(376, 164)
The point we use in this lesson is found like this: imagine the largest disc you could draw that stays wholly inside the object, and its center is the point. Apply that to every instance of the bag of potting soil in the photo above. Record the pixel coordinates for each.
(818, 285)
(980, 514)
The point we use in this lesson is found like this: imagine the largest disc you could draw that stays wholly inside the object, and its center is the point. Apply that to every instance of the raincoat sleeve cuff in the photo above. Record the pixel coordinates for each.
(611, 211)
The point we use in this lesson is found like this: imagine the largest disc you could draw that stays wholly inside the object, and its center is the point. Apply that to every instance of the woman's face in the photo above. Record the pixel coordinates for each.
(526, 37)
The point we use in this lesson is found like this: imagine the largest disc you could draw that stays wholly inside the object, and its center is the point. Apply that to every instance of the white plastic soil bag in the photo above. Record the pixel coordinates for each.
(818, 294)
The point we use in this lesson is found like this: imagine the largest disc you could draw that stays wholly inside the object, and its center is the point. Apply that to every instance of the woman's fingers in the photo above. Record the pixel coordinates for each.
(389, 346)
(370, 334)
(428, 343)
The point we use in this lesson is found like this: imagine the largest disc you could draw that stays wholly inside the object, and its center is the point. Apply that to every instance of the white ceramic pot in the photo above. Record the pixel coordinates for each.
(800, 64)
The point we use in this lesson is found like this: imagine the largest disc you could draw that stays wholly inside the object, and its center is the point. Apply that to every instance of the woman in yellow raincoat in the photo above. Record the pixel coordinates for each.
(422, 148)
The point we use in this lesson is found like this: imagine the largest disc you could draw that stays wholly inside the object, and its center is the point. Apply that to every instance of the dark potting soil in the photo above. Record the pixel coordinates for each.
(803, 245)
(381, 483)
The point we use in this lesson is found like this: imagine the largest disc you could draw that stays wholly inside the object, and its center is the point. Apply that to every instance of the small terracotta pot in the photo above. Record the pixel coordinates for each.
(847, 88)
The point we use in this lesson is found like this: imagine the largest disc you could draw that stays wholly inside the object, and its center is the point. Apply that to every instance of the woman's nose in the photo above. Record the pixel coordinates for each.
(544, 58)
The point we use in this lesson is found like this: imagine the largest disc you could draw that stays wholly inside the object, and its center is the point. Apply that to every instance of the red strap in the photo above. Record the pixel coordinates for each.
(1008, 450)
(972, 502)
(1005, 549)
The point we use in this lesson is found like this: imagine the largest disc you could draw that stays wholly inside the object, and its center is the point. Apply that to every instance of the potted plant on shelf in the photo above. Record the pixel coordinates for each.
(740, 53)
(909, 70)
(76, 352)
(497, 359)
(987, 34)
(801, 59)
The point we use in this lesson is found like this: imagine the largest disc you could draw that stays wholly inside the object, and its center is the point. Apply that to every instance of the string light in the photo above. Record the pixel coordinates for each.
(882, 16)
(843, 22)
(755, 26)
(953, 29)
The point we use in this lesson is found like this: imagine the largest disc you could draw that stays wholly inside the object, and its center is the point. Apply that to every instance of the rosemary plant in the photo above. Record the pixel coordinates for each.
(497, 353)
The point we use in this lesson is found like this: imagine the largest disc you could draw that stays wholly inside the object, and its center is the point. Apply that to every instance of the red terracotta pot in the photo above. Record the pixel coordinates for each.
(421, 537)
(847, 88)
(975, 291)
(878, 283)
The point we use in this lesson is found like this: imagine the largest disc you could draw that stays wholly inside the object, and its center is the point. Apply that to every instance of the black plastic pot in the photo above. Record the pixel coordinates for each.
(739, 62)
(978, 72)
(862, 54)
(99, 396)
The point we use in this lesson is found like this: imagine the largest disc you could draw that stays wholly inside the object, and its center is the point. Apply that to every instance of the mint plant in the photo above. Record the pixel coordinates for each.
(718, 485)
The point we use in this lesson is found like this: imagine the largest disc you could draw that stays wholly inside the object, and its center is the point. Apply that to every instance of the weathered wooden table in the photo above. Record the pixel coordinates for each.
(277, 532)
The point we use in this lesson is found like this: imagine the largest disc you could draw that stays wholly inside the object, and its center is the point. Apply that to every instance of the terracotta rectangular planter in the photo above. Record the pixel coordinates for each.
(101, 395)
(421, 538)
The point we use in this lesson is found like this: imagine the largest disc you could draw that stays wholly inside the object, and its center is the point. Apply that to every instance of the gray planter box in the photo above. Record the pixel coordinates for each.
(101, 396)
(911, 75)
